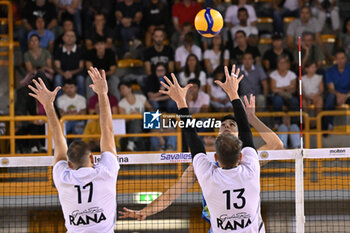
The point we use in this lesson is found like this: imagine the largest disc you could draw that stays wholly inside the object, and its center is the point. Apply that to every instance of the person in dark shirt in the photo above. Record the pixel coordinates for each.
(69, 63)
(129, 15)
(103, 58)
(155, 15)
(158, 52)
(236, 53)
(157, 99)
(67, 25)
(32, 10)
(270, 56)
(99, 29)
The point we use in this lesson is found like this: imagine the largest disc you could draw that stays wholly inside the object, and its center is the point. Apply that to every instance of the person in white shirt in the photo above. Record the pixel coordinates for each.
(216, 54)
(231, 18)
(324, 9)
(198, 100)
(182, 52)
(232, 187)
(71, 103)
(192, 70)
(250, 31)
(87, 192)
(283, 85)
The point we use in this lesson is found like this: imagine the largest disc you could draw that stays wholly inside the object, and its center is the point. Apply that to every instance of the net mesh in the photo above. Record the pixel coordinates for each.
(29, 201)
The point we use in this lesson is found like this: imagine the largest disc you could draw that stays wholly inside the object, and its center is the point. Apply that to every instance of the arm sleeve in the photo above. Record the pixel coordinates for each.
(244, 131)
(196, 145)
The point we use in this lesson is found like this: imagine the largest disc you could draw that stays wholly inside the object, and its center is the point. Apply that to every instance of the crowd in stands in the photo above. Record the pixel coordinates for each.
(63, 38)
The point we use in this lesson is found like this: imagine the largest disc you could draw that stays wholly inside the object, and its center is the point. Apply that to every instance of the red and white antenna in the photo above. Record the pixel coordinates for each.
(300, 98)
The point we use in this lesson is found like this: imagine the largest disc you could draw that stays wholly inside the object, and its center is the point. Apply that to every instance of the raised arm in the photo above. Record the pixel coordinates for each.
(273, 142)
(231, 88)
(46, 98)
(178, 94)
(100, 87)
(165, 200)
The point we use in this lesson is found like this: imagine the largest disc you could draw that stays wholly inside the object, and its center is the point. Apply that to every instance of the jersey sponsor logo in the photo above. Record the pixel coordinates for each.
(94, 214)
(234, 222)
(151, 120)
(178, 157)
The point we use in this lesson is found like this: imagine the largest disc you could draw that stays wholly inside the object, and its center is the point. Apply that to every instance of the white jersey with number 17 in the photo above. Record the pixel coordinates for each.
(88, 195)
(232, 195)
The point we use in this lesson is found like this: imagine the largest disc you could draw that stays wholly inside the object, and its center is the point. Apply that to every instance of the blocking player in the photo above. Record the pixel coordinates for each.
(87, 192)
(188, 179)
(228, 149)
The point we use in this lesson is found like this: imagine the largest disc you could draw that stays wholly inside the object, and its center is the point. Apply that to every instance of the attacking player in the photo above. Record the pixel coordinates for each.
(188, 179)
(245, 172)
(87, 192)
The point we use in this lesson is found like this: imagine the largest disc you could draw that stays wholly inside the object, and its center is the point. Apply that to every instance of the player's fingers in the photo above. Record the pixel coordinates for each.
(168, 81)
(237, 72)
(226, 73)
(91, 86)
(33, 89)
(37, 85)
(91, 73)
(33, 95)
(188, 86)
(164, 85)
(174, 79)
(104, 74)
(246, 102)
(56, 90)
(42, 84)
(164, 92)
(98, 73)
(240, 78)
(218, 82)
(233, 70)
(252, 100)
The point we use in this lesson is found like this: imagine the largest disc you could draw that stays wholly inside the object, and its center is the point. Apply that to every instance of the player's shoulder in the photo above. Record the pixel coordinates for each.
(249, 151)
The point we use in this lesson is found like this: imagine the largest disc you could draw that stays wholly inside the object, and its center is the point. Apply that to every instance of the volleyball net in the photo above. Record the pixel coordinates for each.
(296, 185)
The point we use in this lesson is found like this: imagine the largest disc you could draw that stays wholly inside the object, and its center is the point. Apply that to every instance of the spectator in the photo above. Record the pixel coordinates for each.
(32, 10)
(93, 104)
(218, 98)
(193, 70)
(323, 8)
(312, 87)
(25, 105)
(71, 103)
(250, 31)
(338, 85)
(231, 16)
(298, 26)
(254, 82)
(70, 9)
(98, 30)
(103, 59)
(177, 39)
(282, 9)
(216, 55)
(67, 25)
(270, 56)
(158, 53)
(236, 53)
(129, 15)
(156, 99)
(164, 143)
(132, 104)
(155, 15)
(185, 50)
(184, 11)
(198, 101)
(47, 38)
(310, 52)
(69, 63)
(91, 7)
(344, 37)
(283, 85)
(36, 59)
(294, 138)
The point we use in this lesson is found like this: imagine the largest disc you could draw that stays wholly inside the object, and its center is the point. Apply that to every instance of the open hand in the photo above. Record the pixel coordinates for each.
(99, 85)
(175, 91)
(42, 94)
(127, 213)
(230, 86)
(249, 107)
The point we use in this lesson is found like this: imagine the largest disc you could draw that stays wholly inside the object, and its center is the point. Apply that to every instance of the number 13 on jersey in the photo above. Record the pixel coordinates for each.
(236, 194)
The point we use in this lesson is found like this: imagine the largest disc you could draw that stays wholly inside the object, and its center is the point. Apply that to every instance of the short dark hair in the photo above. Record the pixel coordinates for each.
(100, 39)
(309, 63)
(277, 36)
(228, 148)
(228, 117)
(34, 35)
(70, 81)
(78, 152)
(283, 56)
(195, 81)
(241, 31)
(125, 83)
(308, 33)
(340, 50)
(248, 52)
(243, 9)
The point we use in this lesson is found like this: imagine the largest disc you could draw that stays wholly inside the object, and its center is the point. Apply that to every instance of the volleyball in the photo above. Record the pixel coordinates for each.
(208, 22)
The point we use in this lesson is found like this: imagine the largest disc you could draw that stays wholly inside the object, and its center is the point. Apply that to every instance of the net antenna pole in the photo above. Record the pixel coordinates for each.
(299, 166)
